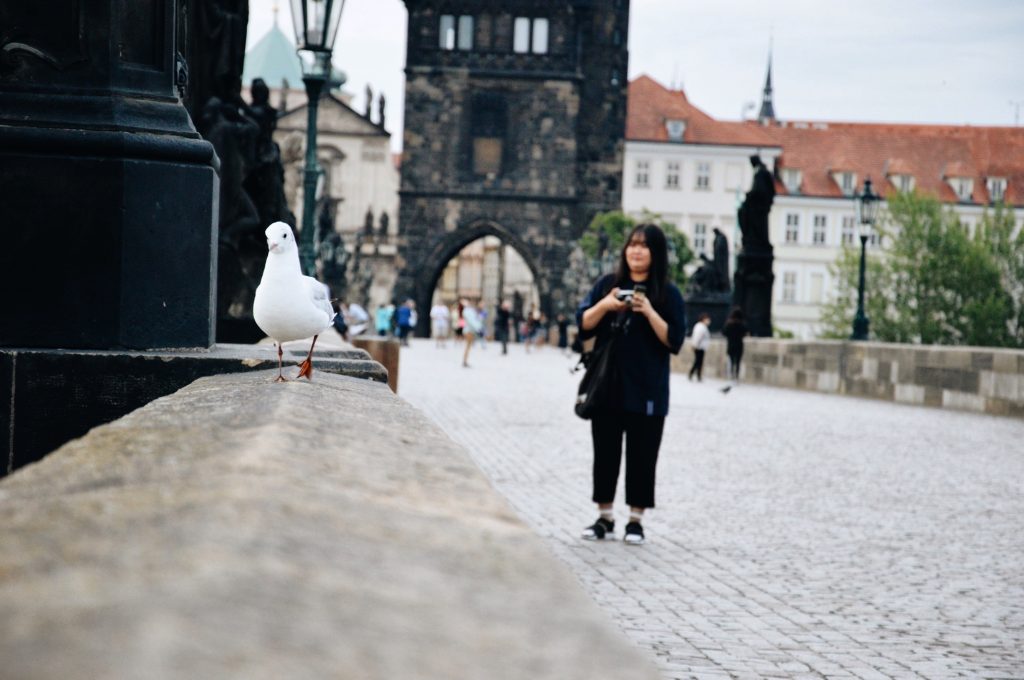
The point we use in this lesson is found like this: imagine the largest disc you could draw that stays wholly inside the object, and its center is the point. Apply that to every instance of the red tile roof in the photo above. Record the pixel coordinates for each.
(651, 104)
(930, 153)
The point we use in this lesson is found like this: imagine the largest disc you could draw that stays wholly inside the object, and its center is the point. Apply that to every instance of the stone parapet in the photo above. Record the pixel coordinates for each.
(244, 529)
(981, 379)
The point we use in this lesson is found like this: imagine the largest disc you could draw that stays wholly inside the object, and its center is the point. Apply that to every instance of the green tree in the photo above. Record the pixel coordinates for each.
(617, 226)
(935, 284)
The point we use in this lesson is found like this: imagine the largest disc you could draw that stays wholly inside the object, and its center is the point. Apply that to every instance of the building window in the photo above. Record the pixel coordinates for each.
(789, 287)
(488, 126)
(849, 229)
(820, 228)
(792, 228)
(817, 288)
(465, 32)
(703, 176)
(447, 34)
(963, 186)
(847, 183)
(700, 237)
(791, 178)
(643, 174)
(672, 175)
(996, 189)
(452, 34)
(903, 183)
(530, 35)
(675, 129)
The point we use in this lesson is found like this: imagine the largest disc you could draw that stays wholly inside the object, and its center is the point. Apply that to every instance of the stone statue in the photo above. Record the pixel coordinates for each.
(265, 183)
(380, 109)
(384, 221)
(368, 223)
(369, 102)
(331, 255)
(720, 251)
(712, 276)
(234, 136)
(753, 214)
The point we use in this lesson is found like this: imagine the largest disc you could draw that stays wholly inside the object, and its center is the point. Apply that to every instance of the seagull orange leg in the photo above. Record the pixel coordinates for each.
(280, 353)
(306, 367)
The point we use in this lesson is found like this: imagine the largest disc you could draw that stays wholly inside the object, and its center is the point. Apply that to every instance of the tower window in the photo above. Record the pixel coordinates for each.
(530, 35)
(454, 34)
(488, 127)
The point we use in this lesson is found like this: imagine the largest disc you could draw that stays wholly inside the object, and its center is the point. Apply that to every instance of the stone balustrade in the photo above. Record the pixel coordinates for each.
(980, 379)
(244, 529)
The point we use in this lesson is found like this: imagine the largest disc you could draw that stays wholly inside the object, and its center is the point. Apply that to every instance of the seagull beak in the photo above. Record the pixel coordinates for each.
(271, 245)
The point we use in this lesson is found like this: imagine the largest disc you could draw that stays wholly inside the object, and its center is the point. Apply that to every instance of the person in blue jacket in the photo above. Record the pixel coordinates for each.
(654, 318)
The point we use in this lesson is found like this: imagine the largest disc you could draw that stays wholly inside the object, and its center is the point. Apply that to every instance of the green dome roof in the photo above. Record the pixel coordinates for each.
(274, 59)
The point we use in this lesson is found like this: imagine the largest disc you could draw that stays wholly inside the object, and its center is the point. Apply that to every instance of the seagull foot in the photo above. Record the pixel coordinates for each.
(280, 378)
(305, 370)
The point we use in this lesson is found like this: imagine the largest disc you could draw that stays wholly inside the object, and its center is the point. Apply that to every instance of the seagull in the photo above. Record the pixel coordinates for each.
(288, 305)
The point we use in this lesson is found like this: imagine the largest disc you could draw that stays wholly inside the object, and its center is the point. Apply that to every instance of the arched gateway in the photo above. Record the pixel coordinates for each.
(514, 126)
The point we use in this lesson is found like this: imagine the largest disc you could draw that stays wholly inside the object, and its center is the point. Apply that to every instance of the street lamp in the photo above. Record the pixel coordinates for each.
(316, 27)
(867, 203)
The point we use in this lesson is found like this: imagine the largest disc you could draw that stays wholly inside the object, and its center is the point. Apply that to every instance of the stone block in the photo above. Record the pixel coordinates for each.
(1004, 362)
(982, 361)
(1007, 386)
(884, 371)
(963, 401)
(869, 369)
(932, 395)
(828, 382)
(987, 383)
(908, 394)
(384, 351)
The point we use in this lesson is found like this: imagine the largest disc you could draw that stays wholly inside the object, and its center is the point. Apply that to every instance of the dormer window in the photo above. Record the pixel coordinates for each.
(996, 189)
(963, 187)
(791, 178)
(847, 181)
(903, 183)
(675, 128)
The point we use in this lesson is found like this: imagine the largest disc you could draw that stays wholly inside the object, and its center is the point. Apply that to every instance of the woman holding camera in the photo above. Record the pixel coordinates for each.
(649, 309)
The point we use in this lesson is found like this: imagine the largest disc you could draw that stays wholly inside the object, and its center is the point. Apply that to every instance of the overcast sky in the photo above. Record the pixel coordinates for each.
(914, 61)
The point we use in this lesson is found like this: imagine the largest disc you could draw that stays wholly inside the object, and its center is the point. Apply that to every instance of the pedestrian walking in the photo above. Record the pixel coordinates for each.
(734, 331)
(439, 323)
(501, 321)
(700, 339)
(641, 301)
(382, 319)
(404, 321)
(563, 333)
(471, 329)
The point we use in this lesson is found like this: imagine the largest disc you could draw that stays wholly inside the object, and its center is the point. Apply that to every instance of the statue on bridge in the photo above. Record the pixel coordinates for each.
(753, 213)
(713, 274)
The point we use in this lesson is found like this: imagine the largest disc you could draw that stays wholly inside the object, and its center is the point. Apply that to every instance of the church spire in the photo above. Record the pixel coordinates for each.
(767, 113)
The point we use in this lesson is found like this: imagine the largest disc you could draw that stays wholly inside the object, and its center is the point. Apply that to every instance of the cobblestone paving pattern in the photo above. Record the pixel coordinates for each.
(797, 535)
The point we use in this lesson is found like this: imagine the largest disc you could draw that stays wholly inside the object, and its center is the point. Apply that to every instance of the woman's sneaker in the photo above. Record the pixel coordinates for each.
(599, 529)
(634, 534)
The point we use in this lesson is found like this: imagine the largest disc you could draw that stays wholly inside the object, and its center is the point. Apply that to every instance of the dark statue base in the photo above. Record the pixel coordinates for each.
(48, 397)
(105, 252)
(715, 305)
(753, 291)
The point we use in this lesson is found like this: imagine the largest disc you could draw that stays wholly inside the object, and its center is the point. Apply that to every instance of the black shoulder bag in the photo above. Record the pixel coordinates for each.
(600, 386)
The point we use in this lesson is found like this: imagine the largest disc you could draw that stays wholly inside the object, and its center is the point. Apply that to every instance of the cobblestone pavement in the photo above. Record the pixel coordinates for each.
(797, 535)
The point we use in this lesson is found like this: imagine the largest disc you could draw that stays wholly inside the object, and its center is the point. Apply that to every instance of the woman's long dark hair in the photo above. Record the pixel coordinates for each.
(657, 277)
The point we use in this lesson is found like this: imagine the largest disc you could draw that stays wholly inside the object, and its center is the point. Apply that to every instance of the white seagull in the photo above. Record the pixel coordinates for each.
(288, 305)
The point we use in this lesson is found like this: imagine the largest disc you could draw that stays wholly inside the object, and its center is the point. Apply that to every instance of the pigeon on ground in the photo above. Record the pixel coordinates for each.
(288, 305)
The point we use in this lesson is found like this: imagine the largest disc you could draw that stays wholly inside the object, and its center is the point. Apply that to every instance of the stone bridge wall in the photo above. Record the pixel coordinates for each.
(980, 379)
(244, 529)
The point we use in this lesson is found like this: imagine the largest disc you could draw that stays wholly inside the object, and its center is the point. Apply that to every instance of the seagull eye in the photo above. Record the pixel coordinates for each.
(286, 235)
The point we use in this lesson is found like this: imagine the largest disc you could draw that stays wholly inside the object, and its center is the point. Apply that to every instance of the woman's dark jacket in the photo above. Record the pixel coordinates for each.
(642, 359)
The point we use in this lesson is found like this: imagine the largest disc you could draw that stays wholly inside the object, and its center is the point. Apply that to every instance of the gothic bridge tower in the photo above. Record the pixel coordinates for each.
(514, 127)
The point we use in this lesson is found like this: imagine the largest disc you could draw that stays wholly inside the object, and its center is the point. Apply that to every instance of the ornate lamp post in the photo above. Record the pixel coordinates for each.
(316, 27)
(867, 211)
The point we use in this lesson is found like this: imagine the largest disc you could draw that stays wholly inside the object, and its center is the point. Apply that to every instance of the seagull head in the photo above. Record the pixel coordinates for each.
(280, 238)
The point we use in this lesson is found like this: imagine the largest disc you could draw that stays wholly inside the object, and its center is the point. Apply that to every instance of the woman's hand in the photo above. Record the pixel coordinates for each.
(642, 305)
(612, 303)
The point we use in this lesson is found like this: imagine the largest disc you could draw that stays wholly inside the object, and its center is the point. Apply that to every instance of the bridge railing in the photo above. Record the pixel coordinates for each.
(243, 529)
(980, 379)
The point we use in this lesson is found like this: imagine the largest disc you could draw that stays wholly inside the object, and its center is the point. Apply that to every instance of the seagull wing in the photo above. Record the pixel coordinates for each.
(320, 295)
